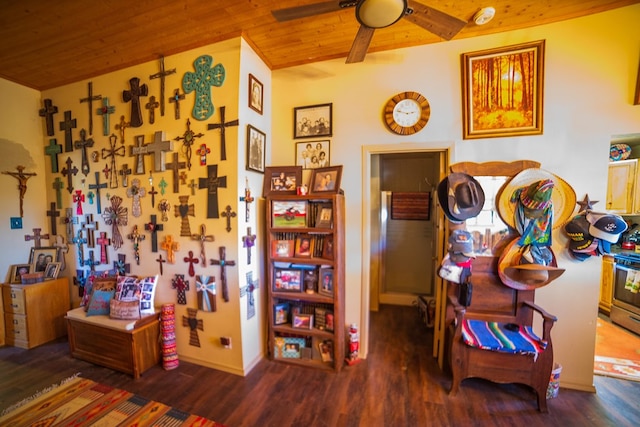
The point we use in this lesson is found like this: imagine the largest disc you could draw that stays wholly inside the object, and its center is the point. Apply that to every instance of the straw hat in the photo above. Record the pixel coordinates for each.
(563, 197)
(527, 267)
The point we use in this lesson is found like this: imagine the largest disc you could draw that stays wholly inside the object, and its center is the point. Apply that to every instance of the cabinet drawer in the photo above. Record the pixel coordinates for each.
(13, 300)
(16, 326)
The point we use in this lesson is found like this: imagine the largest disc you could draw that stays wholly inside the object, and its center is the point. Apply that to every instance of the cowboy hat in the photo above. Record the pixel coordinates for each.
(527, 267)
(460, 196)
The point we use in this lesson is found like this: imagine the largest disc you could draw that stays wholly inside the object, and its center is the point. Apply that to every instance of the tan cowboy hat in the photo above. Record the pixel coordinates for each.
(563, 196)
(517, 272)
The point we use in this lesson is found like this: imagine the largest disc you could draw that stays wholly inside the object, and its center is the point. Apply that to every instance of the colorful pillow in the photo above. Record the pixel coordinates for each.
(86, 296)
(99, 303)
(96, 283)
(148, 294)
(140, 289)
(126, 310)
(128, 289)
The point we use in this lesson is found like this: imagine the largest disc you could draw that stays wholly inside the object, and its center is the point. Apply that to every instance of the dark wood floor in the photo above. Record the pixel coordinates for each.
(399, 384)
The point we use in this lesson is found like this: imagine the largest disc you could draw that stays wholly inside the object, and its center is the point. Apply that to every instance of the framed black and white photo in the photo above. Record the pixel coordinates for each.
(40, 257)
(256, 96)
(313, 121)
(313, 154)
(52, 270)
(256, 142)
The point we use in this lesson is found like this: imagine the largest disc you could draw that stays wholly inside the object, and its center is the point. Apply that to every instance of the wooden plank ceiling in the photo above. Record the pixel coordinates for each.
(46, 44)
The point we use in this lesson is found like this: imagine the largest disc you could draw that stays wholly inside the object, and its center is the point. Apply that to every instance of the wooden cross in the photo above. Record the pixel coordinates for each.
(58, 185)
(183, 210)
(36, 237)
(78, 199)
(68, 220)
(175, 167)
(105, 111)
(193, 324)
(68, 171)
(222, 262)
(175, 99)
(151, 106)
(22, 178)
(47, 112)
(97, 186)
(103, 242)
(228, 213)
(83, 144)
(170, 246)
(191, 260)
(52, 150)
(121, 127)
(139, 151)
(247, 199)
(67, 125)
(161, 261)
(133, 95)
(79, 241)
(163, 186)
(63, 248)
(91, 262)
(248, 242)
(135, 192)
(159, 147)
(164, 206)
(161, 75)
(222, 126)
(189, 138)
(206, 291)
(192, 185)
(90, 226)
(136, 238)
(211, 183)
(202, 152)
(112, 152)
(248, 289)
(201, 82)
(115, 216)
(153, 227)
(125, 171)
(89, 99)
(153, 193)
(53, 213)
(120, 266)
(203, 237)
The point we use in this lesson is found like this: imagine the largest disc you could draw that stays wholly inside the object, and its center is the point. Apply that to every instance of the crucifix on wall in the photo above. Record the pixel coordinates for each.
(89, 100)
(112, 152)
(47, 112)
(133, 95)
(161, 75)
(223, 263)
(211, 183)
(82, 145)
(188, 138)
(67, 125)
(22, 178)
(105, 111)
(222, 126)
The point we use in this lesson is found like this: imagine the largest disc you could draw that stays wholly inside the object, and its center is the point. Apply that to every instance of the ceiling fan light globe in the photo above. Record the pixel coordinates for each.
(380, 13)
(484, 15)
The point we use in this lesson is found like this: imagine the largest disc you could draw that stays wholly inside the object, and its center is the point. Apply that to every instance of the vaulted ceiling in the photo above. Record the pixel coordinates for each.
(46, 44)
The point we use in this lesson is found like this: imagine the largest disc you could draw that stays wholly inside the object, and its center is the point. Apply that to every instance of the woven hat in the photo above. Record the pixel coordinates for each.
(563, 197)
(460, 196)
(528, 267)
(606, 226)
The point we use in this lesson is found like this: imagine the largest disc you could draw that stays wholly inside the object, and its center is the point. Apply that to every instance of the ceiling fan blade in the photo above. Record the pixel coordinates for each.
(434, 21)
(360, 45)
(307, 10)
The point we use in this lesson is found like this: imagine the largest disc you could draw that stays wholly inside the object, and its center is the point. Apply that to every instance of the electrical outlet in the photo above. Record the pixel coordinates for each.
(225, 342)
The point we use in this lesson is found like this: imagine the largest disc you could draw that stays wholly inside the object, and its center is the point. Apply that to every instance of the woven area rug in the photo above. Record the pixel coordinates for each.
(82, 402)
(617, 352)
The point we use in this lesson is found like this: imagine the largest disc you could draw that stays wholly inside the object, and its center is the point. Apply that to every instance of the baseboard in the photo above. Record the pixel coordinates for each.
(218, 366)
(577, 386)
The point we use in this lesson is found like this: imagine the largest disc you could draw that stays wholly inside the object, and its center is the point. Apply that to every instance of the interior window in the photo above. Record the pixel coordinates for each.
(488, 228)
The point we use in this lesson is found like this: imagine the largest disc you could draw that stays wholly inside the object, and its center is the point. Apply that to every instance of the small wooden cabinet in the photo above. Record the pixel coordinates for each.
(606, 285)
(623, 191)
(34, 314)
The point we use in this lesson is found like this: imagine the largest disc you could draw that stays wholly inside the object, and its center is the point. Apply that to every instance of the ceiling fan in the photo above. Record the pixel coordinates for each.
(372, 14)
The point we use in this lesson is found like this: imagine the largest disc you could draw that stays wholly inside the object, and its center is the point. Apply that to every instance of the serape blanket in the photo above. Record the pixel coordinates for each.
(496, 337)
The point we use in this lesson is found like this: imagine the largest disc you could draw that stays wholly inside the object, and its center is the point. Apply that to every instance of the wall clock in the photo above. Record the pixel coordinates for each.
(407, 113)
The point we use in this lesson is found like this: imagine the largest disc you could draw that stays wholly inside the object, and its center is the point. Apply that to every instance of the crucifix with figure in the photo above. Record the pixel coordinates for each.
(47, 112)
(89, 99)
(122, 126)
(223, 263)
(136, 238)
(211, 183)
(22, 178)
(222, 126)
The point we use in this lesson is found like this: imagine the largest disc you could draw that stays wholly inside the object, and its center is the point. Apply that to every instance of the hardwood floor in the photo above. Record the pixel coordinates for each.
(399, 384)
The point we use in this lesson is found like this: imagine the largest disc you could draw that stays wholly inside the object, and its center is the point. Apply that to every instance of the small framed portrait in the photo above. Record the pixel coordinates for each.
(326, 350)
(287, 280)
(304, 246)
(256, 143)
(281, 313)
(327, 247)
(52, 270)
(325, 287)
(256, 96)
(281, 180)
(313, 154)
(302, 321)
(325, 180)
(17, 271)
(313, 121)
(282, 248)
(325, 216)
(40, 257)
(288, 213)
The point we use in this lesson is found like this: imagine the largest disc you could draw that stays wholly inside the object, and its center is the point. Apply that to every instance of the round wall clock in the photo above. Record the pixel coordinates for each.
(407, 113)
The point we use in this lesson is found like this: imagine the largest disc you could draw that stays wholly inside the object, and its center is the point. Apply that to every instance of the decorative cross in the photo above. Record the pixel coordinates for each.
(121, 127)
(115, 216)
(112, 152)
(153, 193)
(251, 286)
(124, 171)
(68, 220)
(183, 210)
(163, 186)
(134, 95)
(97, 186)
(53, 213)
(91, 226)
(105, 111)
(89, 99)
(222, 262)
(22, 178)
(193, 324)
(206, 290)
(159, 147)
(191, 260)
(63, 248)
(153, 227)
(79, 241)
(189, 138)
(164, 206)
(192, 185)
(228, 213)
(36, 237)
(52, 150)
(222, 126)
(183, 178)
(83, 144)
(201, 82)
(67, 125)
(161, 261)
(135, 192)
(175, 167)
(161, 75)
(151, 106)
(78, 199)
(103, 242)
(68, 171)
(203, 237)
(136, 238)
(91, 262)
(247, 199)
(58, 185)
(139, 151)
(170, 246)
(248, 242)
(175, 99)
(47, 112)
(120, 266)
(202, 152)
(211, 183)
(80, 280)
(90, 196)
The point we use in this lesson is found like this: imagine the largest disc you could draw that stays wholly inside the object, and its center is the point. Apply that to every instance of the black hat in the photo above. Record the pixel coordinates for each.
(460, 196)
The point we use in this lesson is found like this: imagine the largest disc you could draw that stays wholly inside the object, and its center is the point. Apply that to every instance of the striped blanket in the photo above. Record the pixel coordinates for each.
(495, 336)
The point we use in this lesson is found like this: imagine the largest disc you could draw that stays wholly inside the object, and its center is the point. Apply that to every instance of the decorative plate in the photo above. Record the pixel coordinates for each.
(619, 152)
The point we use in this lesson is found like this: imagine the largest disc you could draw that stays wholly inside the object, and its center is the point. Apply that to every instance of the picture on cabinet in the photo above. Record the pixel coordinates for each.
(327, 248)
(281, 313)
(326, 180)
(326, 350)
(287, 280)
(52, 270)
(282, 248)
(40, 257)
(302, 321)
(17, 271)
(281, 180)
(325, 215)
(313, 154)
(289, 214)
(326, 282)
(303, 246)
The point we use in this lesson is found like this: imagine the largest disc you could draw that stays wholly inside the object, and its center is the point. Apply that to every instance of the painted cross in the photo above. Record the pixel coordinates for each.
(202, 152)
(135, 192)
(153, 193)
(222, 126)
(103, 241)
(63, 248)
(90, 196)
(161, 261)
(193, 324)
(151, 106)
(136, 238)
(58, 185)
(90, 226)
(228, 213)
(69, 172)
(191, 261)
(247, 199)
(122, 126)
(91, 262)
(105, 111)
(78, 199)
(83, 144)
(106, 171)
(163, 186)
(89, 99)
(153, 227)
(67, 125)
(125, 171)
(248, 242)
(189, 138)
(47, 112)
(79, 241)
(22, 178)
(170, 246)
(251, 286)
(175, 167)
(164, 206)
(115, 216)
(36, 237)
(159, 147)
(139, 151)
(183, 178)
(211, 183)
(206, 290)
(161, 75)
(120, 266)
(201, 82)
(223, 263)
(175, 99)
(53, 213)
(192, 185)
(133, 95)
(183, 210)
(68, 220)
(80, 280)
(97, 186)
(52, 150)
(112, 152)
(203, 237)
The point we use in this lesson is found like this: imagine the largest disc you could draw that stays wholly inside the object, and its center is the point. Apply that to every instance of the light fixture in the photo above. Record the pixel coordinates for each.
(380, 13)
(484, 15)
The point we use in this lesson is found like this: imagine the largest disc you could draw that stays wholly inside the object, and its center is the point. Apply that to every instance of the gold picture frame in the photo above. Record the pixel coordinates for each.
(17, 270)
(502, 91)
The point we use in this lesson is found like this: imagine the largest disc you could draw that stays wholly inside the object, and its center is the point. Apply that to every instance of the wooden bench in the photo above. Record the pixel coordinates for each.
(129, 346)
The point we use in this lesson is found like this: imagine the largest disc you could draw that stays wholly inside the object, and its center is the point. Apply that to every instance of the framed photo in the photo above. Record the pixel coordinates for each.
(325, 287)
(313, 154)
(256, 143)
(17, 271)
(255, 94)
(303, 246)
(502, 91)
(288, 213)
(325, 216)
(40, 257)
(302, 321)
(281, 313)
(281, 180)
(312, 121)
(282, 248)
(326, 350)
(325, 180)
(327, 248)
(287, 280)
(52, 270)
(293, 347)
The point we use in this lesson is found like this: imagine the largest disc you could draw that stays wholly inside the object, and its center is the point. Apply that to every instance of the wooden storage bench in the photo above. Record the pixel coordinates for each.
(129, 346)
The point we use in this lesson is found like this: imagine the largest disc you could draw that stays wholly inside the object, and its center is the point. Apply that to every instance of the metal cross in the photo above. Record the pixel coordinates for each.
(97, 186)
(189, 138)
(52, 150)
(161, 261)
(115, 216)
(222, 126)
(105, 111)
(83, 144)
(53, 213)
(89, 99)
(121, 127)
(153, 227)
(175, 99)
(112, 152)
(175, 167)
(203, 237)
(222, 262)
(211, 183)
(47, 112)
(161, 75)
(228, 214)
(67, 125)
(68, 171)
(151, 106)
(137, 90)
